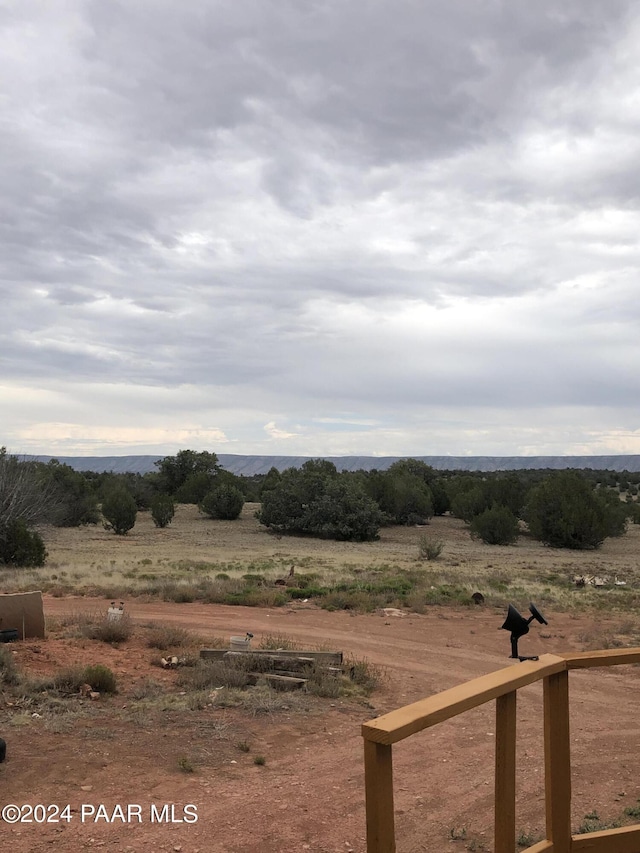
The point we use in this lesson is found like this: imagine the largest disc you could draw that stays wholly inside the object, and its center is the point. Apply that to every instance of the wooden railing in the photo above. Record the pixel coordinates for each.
(380, 735)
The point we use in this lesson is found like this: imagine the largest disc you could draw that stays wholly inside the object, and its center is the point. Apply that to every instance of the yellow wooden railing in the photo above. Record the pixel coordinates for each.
(380, 735)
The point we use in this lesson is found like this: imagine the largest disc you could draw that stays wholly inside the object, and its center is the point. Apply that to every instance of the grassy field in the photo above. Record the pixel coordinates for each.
(240, 562)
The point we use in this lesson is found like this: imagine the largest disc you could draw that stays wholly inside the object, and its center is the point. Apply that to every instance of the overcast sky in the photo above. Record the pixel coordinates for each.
(320, 227)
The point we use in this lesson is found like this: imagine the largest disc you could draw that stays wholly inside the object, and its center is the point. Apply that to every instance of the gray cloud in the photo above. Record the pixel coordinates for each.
(319, 227)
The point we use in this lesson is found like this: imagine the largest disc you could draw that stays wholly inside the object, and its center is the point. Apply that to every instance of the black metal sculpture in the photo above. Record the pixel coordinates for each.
(519, 626)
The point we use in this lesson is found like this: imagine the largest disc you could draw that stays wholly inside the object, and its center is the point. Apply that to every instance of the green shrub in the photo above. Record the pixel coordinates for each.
(162, 510)
(224, 502)
(185, 764)
(306, 592)
(101, 678)
(317, 501)
(254, 580)
(633, 811)
(120, 511)
(467, 502)
(20, 546)
(633, 512)
(175, 471)
(564, 511)
(495, 526)
(428, 548)
(402, 496)
(194, 488)
(74, 494)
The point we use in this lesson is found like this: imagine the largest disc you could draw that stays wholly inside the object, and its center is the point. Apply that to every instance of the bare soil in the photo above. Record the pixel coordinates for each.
(309, 794)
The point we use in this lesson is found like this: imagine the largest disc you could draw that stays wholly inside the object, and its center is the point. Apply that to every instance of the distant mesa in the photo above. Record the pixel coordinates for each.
(248, 466)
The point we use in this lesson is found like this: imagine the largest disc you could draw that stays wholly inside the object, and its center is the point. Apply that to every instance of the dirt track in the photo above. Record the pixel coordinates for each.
(310, 793)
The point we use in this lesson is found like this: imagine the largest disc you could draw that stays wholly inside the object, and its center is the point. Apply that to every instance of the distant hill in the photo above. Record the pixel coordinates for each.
(249, 465)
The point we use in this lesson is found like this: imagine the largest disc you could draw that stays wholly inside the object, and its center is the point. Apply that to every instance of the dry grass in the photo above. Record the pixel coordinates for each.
(212, 674)
(165, 637)
(9, 674)
(239, 562)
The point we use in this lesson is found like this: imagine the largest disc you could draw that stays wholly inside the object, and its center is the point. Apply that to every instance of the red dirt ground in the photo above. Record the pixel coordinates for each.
(309, 796)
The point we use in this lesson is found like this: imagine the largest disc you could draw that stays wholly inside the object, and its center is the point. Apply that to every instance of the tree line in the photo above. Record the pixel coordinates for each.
(564, 509)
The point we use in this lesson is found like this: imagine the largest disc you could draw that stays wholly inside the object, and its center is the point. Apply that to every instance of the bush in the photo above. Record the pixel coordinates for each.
(317, 501)
(69, 680)
(101, 678)
(466, 502)
(194, 488)
(404, 497)
(120, 511)
(564, 511)
(168, 637)
(186, 465)
(20, 546)
(77, 502)
(366, 675)
(162, 510)
(633, 512)
(224, 502)
(8, 670)
(495, 526)
(440, 497)
(428, 548)
(109, 630)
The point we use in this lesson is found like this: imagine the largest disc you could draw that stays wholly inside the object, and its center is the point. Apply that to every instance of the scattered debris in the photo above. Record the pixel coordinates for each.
(284, 669)
(392, 611)
(289, 580)
(241, 644)
(594, 580)
(115, 612)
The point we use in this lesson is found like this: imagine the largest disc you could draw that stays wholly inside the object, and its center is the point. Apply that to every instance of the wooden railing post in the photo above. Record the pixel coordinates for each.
(557, 761)
(378, 781)
(505, 774)
(380, 733)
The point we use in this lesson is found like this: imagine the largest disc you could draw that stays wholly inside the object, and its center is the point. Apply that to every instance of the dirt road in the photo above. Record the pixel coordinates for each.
(309, 795)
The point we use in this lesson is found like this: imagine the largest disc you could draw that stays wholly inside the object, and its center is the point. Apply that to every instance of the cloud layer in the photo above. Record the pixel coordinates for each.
(320, 228)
